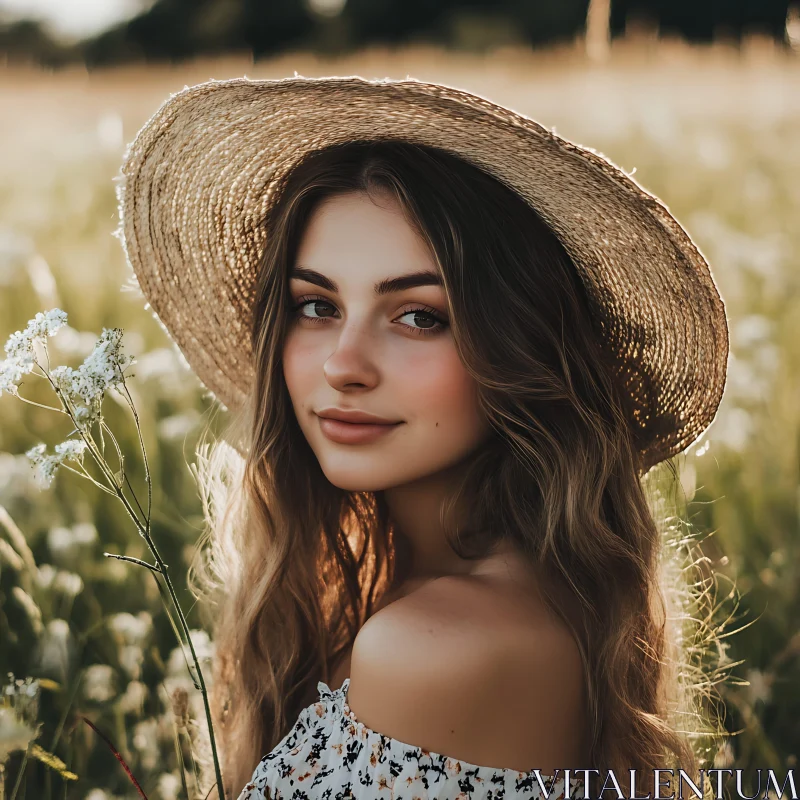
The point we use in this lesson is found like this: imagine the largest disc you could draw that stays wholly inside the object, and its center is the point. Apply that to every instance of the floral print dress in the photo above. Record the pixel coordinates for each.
(330, 755)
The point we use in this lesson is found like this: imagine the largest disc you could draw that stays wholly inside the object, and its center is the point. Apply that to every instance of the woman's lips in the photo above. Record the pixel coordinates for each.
(354, 432)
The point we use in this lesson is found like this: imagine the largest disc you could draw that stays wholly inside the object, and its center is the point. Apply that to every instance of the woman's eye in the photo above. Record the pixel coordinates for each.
(423, 321)
(427, 321)
(320, 308)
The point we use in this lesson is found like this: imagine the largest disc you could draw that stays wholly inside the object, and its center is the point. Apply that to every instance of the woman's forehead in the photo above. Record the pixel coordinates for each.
(352, 239)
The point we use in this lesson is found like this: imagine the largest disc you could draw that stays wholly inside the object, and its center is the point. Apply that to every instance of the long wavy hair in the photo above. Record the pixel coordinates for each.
(293, 566)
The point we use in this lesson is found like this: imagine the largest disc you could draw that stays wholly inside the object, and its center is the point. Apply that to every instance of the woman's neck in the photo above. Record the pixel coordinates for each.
(421, 547)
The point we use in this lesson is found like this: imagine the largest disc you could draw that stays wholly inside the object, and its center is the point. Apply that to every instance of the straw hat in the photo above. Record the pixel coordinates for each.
(197, 182)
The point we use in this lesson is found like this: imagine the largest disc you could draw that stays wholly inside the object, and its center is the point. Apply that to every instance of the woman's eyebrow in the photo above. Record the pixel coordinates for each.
(386, 286)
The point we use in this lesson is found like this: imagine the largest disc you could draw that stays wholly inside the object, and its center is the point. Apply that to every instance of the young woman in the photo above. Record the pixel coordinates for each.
(455, 343)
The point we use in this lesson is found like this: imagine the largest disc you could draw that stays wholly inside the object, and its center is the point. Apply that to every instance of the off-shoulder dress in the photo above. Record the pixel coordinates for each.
(330, 755)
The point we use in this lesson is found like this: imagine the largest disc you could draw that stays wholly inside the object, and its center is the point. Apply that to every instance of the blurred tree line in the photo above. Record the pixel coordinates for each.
(172, 30)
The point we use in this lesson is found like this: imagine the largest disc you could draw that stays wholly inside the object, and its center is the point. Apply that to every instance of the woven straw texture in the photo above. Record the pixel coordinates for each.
(197, 182)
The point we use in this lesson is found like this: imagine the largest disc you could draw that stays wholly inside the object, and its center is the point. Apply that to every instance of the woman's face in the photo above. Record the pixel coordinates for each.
(358, 341)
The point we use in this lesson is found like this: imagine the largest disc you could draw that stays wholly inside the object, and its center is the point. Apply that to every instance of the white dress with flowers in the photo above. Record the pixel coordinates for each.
(330, 755)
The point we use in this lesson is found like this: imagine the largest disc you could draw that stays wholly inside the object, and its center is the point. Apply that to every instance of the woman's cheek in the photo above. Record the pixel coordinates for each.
(442, 396)
(299, 370)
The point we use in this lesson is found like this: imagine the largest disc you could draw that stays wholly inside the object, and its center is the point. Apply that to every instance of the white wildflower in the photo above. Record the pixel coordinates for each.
(14, 734)
(56, 649)
(98, 683)
(130, 629)
(132, 700)
(60, 540)
(24, 693)
(131, 658)
(62, 377)
(102, 368)
(84, 533)
(68, 583)
(19, 708)
(203, 647)
(71, 449)
(169, 786)
(46, 465)
(83, 414)
(38, 450)
(101, 794)
(82, 388)
(69, 381)
(19, 348)
(11, 372)
(145, 740)
(760, 687)
(47, 323)
(65, 543)
(173, 682)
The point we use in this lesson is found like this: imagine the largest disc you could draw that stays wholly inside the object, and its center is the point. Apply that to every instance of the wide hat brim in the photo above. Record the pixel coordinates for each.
(197, 182)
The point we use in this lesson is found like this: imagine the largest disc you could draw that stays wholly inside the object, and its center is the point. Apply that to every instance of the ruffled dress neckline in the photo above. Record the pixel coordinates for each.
(337, 698)
(330, 753)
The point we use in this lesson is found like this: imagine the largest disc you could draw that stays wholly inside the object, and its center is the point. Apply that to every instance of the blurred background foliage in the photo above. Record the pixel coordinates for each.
(710, 128)
(172, 30)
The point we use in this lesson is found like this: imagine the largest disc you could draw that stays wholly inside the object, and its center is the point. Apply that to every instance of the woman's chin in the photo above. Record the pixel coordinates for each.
(362, 478)
(356, 482)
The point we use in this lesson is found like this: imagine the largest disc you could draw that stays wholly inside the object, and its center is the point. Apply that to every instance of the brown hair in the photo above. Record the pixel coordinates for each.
(303, 562)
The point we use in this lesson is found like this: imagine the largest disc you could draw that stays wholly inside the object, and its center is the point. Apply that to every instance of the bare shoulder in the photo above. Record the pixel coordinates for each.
(460, 669)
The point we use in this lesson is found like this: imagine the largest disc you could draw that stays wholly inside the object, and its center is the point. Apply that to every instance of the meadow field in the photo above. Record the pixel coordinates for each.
(714, 132)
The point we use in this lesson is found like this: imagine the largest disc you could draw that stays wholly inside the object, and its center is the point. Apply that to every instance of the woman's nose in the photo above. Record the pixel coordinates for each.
(353, 362)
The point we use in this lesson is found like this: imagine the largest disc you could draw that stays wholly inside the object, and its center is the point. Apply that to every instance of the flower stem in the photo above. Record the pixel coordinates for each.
(200, 679)
(122, 468)
(22, 766)
(143, 527)
(41, 405)
(141, 445)
(133, 561)
(184, 624)
(85, 474)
